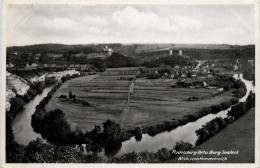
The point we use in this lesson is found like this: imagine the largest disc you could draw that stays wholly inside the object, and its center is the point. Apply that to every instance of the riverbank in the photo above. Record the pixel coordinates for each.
(238, 136)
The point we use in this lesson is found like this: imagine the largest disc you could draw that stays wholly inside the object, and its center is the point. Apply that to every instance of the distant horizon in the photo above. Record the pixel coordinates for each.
(129, 44)
(128, 24)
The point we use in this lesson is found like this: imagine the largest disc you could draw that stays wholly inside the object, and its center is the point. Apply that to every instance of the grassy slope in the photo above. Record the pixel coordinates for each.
(239, 135)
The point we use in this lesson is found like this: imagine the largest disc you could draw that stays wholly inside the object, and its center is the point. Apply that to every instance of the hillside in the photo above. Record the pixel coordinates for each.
(239, 135)
(15, 85)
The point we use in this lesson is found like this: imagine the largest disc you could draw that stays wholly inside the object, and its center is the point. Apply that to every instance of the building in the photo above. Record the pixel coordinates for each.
(170, 52)
(180, 53)
(108, 50)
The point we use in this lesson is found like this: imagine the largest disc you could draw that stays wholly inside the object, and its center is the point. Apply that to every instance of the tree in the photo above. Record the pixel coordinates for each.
(39, 152)
(112, 131)
(17, 104)
(71, 95)
(182, 146)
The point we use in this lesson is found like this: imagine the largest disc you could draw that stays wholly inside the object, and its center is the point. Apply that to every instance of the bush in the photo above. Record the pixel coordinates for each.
(239, 93)
(63, 96)
(216, 108)
(203, 135)
(71, 96)
(212, 127)
(50, 81)
(138, 133)
(39, 86)
(250, 101)
(169, 125)
(183, 146)
(126, 135)
(164, 154)
(221, 122)
(225, 105)
(32, 92)
(237, 110)
(17, 104)
(234, 101)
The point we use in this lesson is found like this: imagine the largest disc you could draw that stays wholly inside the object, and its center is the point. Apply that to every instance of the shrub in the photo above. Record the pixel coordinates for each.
(126, 135)
(17, 104)
(212, 127)
(239, 93)
(138, 133)
(221, 122)
(237, 110)
(39, 86)
(250, 101)
(225, 105)
(71, 96)
(234, 101)
(216, 108)
(183, 146)
(203, 135)
(164, 154)
(63, 96)
(169, 125)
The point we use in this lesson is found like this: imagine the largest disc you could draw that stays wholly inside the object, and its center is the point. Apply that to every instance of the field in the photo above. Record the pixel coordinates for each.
(107, 93)
(151, 102)
(154, 101)
(239, 135)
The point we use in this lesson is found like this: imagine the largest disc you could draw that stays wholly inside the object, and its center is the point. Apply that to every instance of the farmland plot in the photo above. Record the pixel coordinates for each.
(108, 93)
(154, 101)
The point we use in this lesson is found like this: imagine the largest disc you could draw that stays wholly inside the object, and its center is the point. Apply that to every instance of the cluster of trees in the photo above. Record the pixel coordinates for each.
(214, 126)
(38, 151)
(151, 74)
(68, 77)
(160, 156)
(170, 60)
(119, 60)
(241, 108)
(210, 129)
(72, 98)
(228, 82)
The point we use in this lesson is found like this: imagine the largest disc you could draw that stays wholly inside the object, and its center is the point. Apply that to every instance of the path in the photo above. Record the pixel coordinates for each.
(126, 108)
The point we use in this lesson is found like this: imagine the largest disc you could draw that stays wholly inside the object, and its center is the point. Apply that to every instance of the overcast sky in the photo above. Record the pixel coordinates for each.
(67, 24)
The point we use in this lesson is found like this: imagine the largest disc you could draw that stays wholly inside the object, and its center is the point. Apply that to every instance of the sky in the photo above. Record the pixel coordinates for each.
(68, 24)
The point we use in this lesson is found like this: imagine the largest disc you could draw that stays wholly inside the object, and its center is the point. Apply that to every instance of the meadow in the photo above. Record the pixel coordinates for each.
(152, 101)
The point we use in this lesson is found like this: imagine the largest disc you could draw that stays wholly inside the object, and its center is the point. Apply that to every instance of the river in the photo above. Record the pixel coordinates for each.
(22, 129)
(184, 133)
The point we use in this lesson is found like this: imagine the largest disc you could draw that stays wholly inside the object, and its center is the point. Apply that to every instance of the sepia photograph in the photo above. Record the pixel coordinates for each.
(133, 83)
